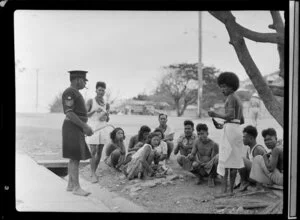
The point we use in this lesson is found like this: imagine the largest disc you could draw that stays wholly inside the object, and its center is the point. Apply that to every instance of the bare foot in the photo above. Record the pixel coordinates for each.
(94, 179)
(243, 187)
(224, 194)
(211, 182)
(81, 192)
(259, 187)
(199, 181)
(70, 188)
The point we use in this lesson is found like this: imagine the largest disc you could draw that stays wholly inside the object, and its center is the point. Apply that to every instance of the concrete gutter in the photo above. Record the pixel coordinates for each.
(39, 189)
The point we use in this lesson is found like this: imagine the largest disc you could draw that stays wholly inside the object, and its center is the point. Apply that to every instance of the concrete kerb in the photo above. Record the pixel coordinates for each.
(39, 189)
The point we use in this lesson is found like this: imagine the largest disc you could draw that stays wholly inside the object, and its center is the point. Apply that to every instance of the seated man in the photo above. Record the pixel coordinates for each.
(254, 149)
(161, 150)
(268, 169)
(204, 156)
(168, 133)
(185, 144)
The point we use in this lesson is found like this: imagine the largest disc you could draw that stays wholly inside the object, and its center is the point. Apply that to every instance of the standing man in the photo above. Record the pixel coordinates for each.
(98, 114)
(168, 133)
(74, 128)
(254, 149)
(254, 108)
(185, 144)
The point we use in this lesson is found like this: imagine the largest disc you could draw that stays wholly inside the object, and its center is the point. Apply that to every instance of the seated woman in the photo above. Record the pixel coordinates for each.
(115, 150)
(140, 164)
(137, 141)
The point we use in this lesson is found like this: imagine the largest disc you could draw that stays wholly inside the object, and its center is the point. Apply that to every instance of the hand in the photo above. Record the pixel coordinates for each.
(88, 130)
(190, 156)
(266, 155)
(211, 113)
(216, 124)
(99, 110)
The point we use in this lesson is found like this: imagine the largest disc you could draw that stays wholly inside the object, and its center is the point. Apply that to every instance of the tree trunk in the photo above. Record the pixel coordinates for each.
(183, 109)
(238, 42)
(177, 106)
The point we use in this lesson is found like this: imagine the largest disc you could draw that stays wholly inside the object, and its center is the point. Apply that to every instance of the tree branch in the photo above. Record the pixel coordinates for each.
(277, 22)
(238, 42)
(227, 16)
(279, 27)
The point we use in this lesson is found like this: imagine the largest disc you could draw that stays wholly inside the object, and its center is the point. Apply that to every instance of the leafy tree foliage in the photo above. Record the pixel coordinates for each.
(180, 82)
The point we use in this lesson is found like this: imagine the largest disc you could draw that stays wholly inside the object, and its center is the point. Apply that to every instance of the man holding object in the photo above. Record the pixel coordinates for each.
(74, 128)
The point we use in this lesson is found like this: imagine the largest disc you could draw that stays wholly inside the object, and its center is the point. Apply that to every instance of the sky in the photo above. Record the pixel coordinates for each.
(126, 49)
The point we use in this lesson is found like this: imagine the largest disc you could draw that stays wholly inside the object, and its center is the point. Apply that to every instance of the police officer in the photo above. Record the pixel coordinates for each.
(74, 129)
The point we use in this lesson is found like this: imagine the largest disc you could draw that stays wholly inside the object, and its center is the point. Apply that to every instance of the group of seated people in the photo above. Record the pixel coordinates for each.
(198, 154)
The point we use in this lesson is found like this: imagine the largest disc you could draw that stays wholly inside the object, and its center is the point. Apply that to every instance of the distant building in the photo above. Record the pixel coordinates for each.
(270, 79)
(141, 107)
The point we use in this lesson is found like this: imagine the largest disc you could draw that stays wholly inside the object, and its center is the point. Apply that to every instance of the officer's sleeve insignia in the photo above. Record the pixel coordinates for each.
(69, 101)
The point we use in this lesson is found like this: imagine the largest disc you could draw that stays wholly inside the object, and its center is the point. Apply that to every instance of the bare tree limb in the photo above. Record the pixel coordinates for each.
(277, 22)
(277, 90)
(279, 27)
(238, 42)
(227, 16)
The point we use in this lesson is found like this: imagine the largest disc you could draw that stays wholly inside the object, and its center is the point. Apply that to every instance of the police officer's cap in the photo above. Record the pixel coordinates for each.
(78, 73)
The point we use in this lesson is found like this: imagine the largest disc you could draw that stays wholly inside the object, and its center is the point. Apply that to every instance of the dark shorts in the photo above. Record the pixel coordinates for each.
(74, 145)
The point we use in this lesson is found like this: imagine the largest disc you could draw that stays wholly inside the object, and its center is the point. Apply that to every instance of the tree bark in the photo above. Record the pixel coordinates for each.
(278, 25)
(238, 42)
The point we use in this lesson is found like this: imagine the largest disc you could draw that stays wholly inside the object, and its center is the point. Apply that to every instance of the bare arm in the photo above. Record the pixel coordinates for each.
(131, 144)
(89, 107)
(123, 150)
(109, 148)
(271, 162)
(169, 137)
(214, 151)
(75, 119)
(178, 146)
(137, 146)
(258, 151)
(191, 156)
(229, 116)
(107, 110)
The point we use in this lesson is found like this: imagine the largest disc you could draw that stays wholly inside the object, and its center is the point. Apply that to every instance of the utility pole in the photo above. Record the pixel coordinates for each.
(37, 90)
(200, 83)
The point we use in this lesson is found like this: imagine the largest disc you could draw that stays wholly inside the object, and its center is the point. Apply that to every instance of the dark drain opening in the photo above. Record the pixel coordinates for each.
(60, 167)
(59, 171)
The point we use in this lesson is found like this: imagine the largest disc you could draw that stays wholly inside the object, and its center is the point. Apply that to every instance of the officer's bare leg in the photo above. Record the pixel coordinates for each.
(70, 182)
(77, 190)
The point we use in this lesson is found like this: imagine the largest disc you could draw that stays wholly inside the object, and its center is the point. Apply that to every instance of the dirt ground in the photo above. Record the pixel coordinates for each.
(179, 194)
